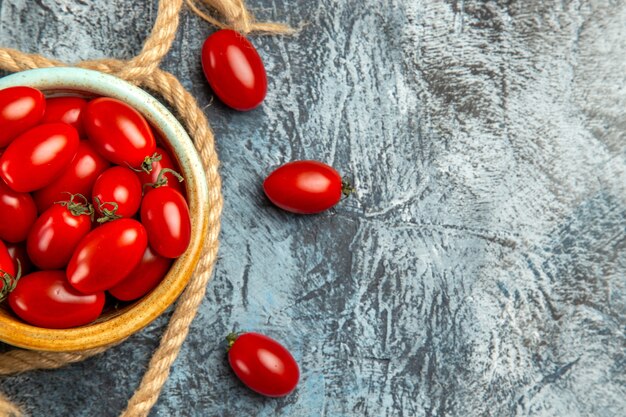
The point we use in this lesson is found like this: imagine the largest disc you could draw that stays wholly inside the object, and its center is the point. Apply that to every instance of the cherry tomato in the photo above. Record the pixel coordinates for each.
(263, 364)
(157, 166)
(234, 69)
(144, 278)
(46, 299)
(118, 131)
(118, 191)
(67, 110)
(35, 158)
(20, 109)
(305, 187)
(18, 253)
(165, 214)
(107, 255)
(7, 264)
(78, 178)
(56, 233)
(8, 278)
(17, 214)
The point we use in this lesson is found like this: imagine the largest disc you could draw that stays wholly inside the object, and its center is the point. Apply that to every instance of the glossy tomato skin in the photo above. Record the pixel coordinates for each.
(234, 69)
(165, 214)
(17, 251)
(304, 187)
(17, 214)
(67, 110)
(78, 178)
(107, 255)
(36, 157)
(20, 109)
(7, 264)
(121, 186)
(151, 178)
(144, 278)
(263, 365)
(119, 132)
(55, 235)
(46, 299)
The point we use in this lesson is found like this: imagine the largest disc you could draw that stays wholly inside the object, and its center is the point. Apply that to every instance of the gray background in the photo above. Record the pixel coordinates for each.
(479, 271)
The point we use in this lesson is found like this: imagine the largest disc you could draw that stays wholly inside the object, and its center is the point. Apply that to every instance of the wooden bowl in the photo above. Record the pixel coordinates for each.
(116, 324)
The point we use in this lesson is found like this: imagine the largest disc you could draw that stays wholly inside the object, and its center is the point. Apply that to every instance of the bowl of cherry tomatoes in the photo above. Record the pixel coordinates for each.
(103, 209)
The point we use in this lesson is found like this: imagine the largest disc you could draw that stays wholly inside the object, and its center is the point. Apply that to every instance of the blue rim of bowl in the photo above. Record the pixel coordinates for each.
(59, 81)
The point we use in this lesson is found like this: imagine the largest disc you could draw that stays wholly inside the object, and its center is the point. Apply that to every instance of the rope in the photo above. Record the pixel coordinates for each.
(143, 70)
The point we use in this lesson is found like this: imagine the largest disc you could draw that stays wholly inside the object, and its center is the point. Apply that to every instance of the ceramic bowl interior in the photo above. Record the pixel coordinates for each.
(119, 320)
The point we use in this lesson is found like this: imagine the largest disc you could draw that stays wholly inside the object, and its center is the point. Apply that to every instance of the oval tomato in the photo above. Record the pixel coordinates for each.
(165, 162)
(234, 69)
(107, 255)
(305, 187)
(46, 299)
(67, 110)
(118, 192)
(144, 278)
(20, 109)
(18, 253)
(17, 214)
(263, 364)
(165, 214)
(78, 178)
(56, 233)
(35, 158)
(7, 264)
(8, 270)
(119, 132)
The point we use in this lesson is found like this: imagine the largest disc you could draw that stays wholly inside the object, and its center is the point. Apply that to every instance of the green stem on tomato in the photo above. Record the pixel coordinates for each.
(146, 165)
(9, 282)
(78, 209)
(162, 179)
(347, 188)
(231, 338)
(107, 214)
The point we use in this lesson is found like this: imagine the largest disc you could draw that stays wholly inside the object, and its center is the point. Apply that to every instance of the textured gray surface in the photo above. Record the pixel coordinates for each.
(480, 270)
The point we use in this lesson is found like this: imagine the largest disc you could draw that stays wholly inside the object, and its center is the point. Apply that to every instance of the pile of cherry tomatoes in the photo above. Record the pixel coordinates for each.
(89, 203)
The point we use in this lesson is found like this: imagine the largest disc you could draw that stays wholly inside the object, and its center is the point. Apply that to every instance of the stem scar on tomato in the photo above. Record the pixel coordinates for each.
(231, 338)
(347, 188)
(107, 214)
(9, 282)
(162, 179)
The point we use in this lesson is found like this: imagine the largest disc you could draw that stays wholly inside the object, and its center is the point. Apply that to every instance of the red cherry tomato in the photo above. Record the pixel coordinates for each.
(119, 132)
(56, 233)
(36, 157)
(46, 299)
(20, 109)
(234, 69)
(304, 187)
(78, 178)
(165, 214)
(263, 364)
(144, 278)
(8, 270)
(7, 264)
(107, 255)
(18, 254)
(157, 166)
(117, 190)
(67, 110)
(17, 214)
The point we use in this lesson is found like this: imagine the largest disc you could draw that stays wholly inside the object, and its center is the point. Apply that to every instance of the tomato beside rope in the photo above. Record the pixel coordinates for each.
(263, 364)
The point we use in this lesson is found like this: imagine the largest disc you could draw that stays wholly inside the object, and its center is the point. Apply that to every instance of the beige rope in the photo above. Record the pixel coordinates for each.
(143, 70)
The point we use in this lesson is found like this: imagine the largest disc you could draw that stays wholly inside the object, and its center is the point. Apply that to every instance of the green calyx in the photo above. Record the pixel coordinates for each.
(108, 214)
(78, 208)
(9, 282)
(162, 179)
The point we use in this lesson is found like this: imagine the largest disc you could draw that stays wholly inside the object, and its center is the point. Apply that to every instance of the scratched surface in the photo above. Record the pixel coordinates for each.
(479, 271)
